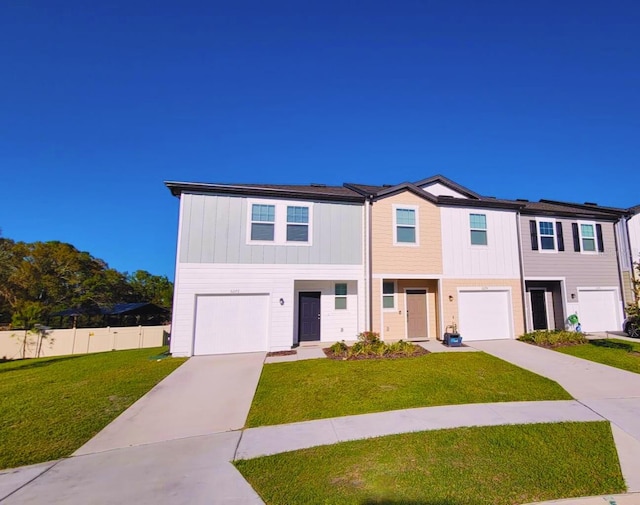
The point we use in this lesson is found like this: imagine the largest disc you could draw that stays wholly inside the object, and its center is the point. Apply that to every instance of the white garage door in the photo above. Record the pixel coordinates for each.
(598, 310)
(484, 315)
(231, 323)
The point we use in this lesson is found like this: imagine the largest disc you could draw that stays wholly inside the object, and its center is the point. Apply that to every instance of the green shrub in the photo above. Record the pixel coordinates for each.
(370, 345)
(339, 348)
(553, 338)
(369, 337)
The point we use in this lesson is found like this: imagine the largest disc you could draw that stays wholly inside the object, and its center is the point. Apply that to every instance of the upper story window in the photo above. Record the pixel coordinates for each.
(405, 225)
(297, 224)
(278, 222)
(263, 219)
(547, 235)
(388, 295)
(588, 237)
(478, 227)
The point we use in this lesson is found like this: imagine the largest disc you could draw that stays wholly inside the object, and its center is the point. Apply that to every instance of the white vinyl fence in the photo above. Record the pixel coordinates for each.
(81, 340)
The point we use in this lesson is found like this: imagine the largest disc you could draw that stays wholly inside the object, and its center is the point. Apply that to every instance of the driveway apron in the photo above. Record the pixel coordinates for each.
(207, 394)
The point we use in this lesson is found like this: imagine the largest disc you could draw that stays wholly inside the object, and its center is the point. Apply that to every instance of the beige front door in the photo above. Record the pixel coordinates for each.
(416, 313)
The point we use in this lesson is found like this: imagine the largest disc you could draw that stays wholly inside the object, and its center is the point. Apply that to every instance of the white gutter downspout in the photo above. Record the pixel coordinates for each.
(522, 281)
(370, 261)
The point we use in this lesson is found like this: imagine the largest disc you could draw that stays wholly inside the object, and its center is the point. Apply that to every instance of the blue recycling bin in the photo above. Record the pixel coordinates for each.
(452, 340)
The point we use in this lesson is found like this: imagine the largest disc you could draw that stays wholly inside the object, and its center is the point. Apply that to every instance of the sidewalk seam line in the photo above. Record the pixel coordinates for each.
(31, 480)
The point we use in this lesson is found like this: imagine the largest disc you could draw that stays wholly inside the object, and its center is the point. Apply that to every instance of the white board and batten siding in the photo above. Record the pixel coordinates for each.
(499, 259)
(266, 284)
(485, 314)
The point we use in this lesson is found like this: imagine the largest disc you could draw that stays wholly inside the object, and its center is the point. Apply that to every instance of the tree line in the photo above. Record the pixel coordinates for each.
(38, 279)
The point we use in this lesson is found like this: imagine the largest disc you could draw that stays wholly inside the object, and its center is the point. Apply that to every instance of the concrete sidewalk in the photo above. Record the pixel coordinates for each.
(190, 471)
(612, 393)
(583, 379)
(207, 394)
(268, 440)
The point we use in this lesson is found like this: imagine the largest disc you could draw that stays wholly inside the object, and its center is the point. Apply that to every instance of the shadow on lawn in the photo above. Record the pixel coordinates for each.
(29, 363)
(608, 344)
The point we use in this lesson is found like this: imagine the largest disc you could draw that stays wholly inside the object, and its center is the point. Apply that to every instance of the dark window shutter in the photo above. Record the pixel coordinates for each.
(533, 226)
(576, 237)
(599, 235)
(560, 236)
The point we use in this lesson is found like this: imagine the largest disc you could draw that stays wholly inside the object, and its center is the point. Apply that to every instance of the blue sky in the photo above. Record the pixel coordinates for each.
(100, 102)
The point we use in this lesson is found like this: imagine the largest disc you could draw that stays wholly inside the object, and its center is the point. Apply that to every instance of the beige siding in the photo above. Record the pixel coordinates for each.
(426, 258)
(82, 340)
(450, 308)
(392, 324)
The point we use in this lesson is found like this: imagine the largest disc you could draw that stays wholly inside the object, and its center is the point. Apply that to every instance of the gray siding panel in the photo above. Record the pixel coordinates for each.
(195, 238)
(579, 270)
(214, 230)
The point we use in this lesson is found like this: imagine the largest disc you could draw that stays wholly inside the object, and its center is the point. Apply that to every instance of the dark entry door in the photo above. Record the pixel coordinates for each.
(539, 309)
(309, 317)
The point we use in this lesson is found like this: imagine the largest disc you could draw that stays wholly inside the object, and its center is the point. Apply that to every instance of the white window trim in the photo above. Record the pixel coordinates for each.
(395, 297)
(345, 296)
(415, 208)
(250, 221)
(485, 230)
(555, 235)
(280, 224)
(595, 237)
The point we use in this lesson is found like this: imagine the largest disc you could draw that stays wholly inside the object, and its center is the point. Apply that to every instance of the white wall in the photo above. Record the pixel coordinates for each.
(277, 280)
(499, 259)
(82, 340)
(634, 236)
(341, 324)
(438, 189)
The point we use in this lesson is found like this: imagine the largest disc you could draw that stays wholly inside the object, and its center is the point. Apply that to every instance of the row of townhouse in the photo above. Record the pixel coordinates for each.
(267, 267)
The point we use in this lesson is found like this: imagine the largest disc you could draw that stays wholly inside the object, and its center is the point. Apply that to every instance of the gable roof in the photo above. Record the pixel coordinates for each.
(450, 184)
(311, 191)
(473, 200)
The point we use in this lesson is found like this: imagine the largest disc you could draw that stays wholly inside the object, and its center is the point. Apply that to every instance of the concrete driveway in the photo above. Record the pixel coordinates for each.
(610, 392)
(172, 446)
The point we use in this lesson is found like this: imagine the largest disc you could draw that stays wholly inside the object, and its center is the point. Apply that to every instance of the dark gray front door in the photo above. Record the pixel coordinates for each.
(539, 309)
(309, 317)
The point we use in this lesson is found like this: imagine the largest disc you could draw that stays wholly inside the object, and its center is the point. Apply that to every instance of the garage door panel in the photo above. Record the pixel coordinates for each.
(484, 315)
(598, 310)
(231, 324)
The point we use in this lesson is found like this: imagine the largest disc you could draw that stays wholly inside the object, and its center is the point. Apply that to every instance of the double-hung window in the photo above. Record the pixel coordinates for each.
(478, 227)
(340, 296)
(588, 237)
(263, 218)
(388, 295)
(405, 225)
(297, 224)
(547, 235)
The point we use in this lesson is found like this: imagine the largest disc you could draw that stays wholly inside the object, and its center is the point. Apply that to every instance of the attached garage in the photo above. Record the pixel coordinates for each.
(485, 314)
(227, 324)
(599, 309)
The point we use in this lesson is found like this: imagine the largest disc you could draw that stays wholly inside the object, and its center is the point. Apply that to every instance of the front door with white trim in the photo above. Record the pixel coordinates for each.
(417, 326)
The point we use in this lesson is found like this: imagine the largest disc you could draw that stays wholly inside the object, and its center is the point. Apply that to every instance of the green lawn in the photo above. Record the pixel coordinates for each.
(475, 466)
(50, 406)
(316, 389)
(618, 353)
